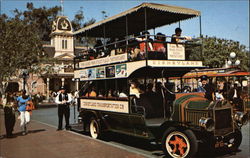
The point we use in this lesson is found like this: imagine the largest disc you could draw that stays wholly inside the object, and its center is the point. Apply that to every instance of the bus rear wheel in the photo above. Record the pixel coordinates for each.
(94, 129)
(179, 143)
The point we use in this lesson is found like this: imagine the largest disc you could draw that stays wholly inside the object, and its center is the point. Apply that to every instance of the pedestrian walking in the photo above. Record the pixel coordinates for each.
(9, 114)
(24, 114)
(63, 100)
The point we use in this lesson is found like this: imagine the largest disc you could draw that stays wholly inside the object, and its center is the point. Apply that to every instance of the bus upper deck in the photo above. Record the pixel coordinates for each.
(120, 39)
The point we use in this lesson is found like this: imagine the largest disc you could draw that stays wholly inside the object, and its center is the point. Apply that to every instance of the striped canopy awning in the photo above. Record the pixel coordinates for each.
(133, 20)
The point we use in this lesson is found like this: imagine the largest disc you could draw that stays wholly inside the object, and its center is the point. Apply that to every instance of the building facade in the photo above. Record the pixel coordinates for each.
(62, 49)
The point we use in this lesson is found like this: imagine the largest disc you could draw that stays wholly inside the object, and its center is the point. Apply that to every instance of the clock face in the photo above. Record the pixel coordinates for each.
(64, 24)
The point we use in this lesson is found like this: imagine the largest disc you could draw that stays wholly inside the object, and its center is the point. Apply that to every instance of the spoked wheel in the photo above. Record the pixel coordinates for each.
(177, 143)
(94, 128)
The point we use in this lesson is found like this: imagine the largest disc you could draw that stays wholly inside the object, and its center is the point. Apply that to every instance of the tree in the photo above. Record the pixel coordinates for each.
(78, 23)
(20, 48)
(41, 18)
(21, 39)
(215, 52)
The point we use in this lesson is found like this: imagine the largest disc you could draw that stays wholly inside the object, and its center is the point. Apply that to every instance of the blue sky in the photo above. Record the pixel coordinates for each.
(223, 19)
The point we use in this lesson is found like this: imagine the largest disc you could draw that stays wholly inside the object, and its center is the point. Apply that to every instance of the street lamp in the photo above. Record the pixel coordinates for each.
(232, 60)
(24, 75)
(75, 97)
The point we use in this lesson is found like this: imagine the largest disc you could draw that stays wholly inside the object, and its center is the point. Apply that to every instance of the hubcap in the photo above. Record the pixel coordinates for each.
(93, 129)
(177, 144)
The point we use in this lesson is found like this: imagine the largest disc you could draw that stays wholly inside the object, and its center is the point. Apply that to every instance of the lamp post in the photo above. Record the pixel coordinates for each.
(75, 97)
(25, 75)
(233, 61)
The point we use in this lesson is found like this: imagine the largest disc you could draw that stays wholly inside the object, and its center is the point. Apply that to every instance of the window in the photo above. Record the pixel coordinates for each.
(64, 44)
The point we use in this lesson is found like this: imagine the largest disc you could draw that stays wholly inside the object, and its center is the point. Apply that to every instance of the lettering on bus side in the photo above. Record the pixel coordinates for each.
(105, 105)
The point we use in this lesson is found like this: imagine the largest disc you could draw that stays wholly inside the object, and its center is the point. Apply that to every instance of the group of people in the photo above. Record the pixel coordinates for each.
(150, 96)
(136, 46)
(223, 90)
(12, 103)
(92, 92)
(18, 105)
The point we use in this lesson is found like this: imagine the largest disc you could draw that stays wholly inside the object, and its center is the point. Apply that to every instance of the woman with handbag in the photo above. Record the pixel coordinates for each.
(24, 114)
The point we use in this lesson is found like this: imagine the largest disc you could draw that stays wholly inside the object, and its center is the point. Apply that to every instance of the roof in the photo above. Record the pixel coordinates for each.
(115, 26)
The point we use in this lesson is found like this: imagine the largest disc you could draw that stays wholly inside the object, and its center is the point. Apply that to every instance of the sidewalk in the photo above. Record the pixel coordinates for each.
(43, 141)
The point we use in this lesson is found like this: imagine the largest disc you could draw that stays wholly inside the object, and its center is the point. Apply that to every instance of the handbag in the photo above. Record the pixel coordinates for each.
(30, 106)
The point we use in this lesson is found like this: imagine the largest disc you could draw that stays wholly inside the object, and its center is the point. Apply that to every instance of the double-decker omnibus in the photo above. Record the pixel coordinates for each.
(125, 85)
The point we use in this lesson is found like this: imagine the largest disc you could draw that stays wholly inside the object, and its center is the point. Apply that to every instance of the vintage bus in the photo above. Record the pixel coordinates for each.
(125, 85)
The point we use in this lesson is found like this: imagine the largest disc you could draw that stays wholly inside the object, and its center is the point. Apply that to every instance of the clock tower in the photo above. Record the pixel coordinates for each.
(62, 37)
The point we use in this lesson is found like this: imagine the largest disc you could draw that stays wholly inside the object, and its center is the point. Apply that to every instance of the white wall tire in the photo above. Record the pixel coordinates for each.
(179, 143)
(94, 128)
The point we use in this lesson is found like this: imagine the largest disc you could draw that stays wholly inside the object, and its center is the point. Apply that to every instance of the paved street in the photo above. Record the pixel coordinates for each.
(135, 144)
(43, 127)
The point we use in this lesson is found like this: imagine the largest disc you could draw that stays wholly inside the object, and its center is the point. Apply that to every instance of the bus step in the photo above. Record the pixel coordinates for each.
(77, 127)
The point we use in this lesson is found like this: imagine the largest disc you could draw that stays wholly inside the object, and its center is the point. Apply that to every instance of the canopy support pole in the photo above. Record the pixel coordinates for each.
(201, 38)
(179, 24)
(104, 38)
(146, 35)
(127, 36)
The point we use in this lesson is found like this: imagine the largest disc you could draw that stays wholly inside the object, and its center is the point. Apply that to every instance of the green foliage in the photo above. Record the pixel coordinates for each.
(20, 47)
(215, 52)
(78, 23)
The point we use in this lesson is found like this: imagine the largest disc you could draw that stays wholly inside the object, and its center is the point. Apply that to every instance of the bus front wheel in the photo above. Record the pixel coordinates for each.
(179, 143)
(94, 128)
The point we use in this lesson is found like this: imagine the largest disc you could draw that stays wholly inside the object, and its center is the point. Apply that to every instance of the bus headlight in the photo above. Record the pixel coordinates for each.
(241, 118)
(207, 123)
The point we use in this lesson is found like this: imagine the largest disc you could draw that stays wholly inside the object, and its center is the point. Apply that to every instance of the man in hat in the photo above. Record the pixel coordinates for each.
(207, 88)
(63, 100)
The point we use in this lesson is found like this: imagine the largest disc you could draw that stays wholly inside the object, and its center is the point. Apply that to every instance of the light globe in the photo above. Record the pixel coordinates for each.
(229, 62)
(237, 62)
(232, 55)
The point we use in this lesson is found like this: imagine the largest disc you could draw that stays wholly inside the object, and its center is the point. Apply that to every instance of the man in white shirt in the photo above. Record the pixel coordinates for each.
(63, 100)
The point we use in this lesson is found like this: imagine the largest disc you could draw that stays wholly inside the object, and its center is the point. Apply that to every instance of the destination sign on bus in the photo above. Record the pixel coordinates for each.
(104, 61)
(176, 51)
(105, 105)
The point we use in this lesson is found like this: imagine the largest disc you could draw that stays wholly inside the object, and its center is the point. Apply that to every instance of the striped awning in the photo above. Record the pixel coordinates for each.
(156, 15)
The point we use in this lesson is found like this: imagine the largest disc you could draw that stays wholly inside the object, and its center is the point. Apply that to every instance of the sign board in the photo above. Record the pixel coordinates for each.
(175, 51)
(105, 105)
(104, 61)
(174, 63)
(113, 71)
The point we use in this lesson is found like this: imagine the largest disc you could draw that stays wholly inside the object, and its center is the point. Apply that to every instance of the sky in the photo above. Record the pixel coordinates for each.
(227, 19)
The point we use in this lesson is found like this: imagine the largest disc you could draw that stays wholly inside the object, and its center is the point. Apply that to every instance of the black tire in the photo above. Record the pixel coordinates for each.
(236, 139)
(94, 128)
(186, 138)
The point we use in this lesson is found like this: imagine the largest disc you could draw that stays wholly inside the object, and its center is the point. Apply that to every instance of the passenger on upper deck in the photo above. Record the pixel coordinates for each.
(158, 45)
(99, 48)
(143, 46)
(176, 38)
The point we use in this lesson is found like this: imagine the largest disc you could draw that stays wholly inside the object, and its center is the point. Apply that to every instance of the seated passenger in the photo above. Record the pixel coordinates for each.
(99, 48)
(101, 93)
(134, 90)
(145, 36)
(123, 93)
(91, 92)
(158, 45)
(176, 38)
